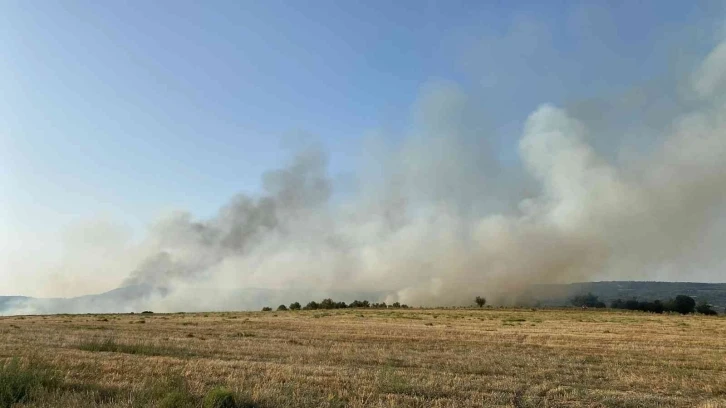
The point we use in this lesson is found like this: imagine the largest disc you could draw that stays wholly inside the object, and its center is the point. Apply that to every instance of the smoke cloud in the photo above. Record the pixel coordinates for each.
(440, 218)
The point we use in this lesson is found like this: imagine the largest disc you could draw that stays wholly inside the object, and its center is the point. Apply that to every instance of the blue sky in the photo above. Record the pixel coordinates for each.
(127, 109)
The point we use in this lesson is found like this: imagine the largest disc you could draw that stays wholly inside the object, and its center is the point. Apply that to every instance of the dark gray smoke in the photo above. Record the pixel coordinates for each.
(189, 248)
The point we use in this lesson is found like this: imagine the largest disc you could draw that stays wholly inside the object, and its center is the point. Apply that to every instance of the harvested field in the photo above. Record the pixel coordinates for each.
(365, 358)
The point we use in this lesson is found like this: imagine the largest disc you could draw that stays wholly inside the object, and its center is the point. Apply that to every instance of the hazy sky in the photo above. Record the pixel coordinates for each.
(120, 111)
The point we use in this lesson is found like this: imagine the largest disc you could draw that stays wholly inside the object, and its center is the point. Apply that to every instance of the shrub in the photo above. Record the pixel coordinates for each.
(684, 304)
(480, 301)
(313, 305)
(266, 309)
(397, 305)
(588, 300)
(327, 304)
(147, 312)
(362, 303)
(295, 306)
(655, 306)
(281, 308)
(341, 305)
(705, 308)
(681, 304)
(632, 304)
(219, 398)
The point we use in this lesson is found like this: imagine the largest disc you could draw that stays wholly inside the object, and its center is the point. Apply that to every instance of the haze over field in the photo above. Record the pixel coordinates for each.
(615, 179)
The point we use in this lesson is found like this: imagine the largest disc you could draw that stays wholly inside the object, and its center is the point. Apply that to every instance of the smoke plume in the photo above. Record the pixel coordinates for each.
(440, 218)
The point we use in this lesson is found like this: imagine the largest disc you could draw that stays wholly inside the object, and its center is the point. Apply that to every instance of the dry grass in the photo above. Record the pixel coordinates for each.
(373, 358)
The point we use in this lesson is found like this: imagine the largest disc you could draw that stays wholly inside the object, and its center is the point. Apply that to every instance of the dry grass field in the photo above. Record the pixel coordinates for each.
(365, 358)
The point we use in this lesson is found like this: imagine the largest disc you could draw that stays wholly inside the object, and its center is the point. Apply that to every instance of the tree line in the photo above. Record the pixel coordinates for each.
(331, 304)
(680, 304)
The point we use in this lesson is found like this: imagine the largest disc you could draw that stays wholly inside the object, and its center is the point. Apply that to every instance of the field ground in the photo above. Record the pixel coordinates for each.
(366, 358)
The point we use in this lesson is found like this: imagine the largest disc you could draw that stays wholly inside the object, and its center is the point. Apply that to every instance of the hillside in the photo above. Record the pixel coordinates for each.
(554, 295)
(136, 298)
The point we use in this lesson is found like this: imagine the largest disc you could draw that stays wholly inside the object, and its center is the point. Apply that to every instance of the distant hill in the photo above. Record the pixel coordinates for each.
(10, 302)
(116, 300)
(554, 295)
(139, 297)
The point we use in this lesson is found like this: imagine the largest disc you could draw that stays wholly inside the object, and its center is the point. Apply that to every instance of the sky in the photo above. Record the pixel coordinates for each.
(122, 111)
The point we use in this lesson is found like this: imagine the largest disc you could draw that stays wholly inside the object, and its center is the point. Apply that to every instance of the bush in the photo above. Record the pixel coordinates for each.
(588, 300)
(358, 303)
(295, 306)
(327, 304)
(313, 305)
(632, 304)
(655, 306)
(705, 309)
(480, 301)
(219, 398)
(147, 312)
(684, 304)
(266, 309)
(396, 305)
(281, 308)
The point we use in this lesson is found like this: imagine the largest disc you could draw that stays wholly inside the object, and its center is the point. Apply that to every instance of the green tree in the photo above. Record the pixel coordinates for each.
(684, 304)
(327, 304)
(295, 306)
(480, 301)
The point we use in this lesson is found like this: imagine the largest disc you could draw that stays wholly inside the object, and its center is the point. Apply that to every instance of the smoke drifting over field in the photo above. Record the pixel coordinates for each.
(439, 218)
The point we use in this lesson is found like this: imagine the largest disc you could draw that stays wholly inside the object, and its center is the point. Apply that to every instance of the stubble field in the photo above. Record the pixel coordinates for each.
(365, 358)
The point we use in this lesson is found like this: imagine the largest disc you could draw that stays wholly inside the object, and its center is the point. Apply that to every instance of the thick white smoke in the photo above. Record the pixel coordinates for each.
(439, 219)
